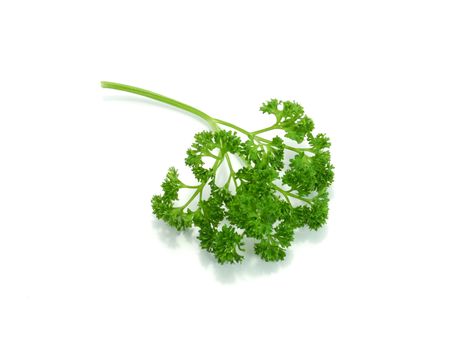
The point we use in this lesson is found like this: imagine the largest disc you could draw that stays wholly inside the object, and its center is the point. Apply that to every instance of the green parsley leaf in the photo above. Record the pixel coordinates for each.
(266, 199)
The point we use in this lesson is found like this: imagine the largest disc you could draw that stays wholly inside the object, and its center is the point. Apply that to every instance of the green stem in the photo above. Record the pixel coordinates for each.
(233, 126)
(272, 127)
(213, 122)
(295, 149)
(209, 154)
(161, 98)
(288, 194)
(184, 185)
(195, 194)
(232, 172)
(227, 183)
(201, 186)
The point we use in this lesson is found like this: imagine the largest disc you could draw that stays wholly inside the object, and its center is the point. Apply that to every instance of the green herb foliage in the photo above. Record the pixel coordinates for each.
(266, 199)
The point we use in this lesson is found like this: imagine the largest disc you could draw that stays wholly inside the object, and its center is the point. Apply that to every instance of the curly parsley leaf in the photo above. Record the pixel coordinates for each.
(265, 200)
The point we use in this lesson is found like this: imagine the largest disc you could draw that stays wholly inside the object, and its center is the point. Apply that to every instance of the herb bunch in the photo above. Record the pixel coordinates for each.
(265, 199)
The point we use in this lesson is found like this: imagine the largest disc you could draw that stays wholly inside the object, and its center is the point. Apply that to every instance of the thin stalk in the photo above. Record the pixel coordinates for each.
(161, 98)
(233, 126)
(195, 194)
(199, 191)
(288, 194)
(295, 149)
(232, 172)
(272, 127)
(209, 154)
(184, 185)
(213, 122)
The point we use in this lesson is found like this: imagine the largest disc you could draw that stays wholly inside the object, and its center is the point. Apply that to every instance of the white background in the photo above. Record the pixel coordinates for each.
(83, 263)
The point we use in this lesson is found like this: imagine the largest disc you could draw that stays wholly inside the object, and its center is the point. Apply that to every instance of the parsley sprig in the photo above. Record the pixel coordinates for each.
(265, 199)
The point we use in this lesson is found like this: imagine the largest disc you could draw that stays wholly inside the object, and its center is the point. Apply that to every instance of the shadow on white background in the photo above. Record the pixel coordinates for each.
(252, 265)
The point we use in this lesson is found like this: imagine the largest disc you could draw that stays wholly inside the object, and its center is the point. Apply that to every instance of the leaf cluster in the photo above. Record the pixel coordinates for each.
(265, 200)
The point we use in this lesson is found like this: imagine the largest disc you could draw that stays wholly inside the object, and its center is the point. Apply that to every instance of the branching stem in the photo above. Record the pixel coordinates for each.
(272, 127)
(184, 185)
(213, 122)
(201, 186)
(232, 172)
(287, 194)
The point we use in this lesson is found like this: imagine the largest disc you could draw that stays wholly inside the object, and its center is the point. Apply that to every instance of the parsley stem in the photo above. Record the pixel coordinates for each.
(184, 185)
(289, 194)
(161, 98)
(232, 172)
(233, 126)
(201, 186)
(295, 149)
(209, 154)
(272, 127)
(213, 122)
(195, 194)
